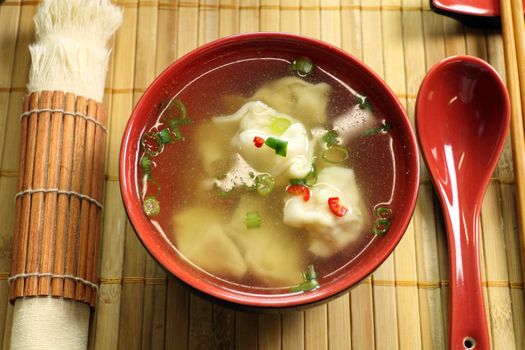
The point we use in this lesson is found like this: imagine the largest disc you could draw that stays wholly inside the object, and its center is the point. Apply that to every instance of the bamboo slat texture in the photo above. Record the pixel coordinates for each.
(403, 305)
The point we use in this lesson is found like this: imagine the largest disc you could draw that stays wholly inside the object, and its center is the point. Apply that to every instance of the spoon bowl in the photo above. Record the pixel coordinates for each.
(462, 119)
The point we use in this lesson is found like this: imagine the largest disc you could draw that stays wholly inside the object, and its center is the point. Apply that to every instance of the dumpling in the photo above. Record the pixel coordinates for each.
(296, 97)
(257, 119)
(214, 151)
(272, 252)
(199, 235)
(328, 233)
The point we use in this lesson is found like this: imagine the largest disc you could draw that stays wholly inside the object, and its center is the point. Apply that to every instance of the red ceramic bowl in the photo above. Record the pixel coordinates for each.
(339, 63)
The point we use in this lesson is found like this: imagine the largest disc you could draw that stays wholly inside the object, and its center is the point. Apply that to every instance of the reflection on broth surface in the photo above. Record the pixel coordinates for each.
(276, 181)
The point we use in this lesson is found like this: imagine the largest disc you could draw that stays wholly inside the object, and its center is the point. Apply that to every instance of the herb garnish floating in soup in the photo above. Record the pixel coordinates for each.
(282, 179)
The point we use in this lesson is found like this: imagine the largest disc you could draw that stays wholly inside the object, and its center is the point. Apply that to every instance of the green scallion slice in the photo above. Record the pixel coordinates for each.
(384, 127)
(364, 102)
(264, 184)
(151, 143)
(330, 138)
(302, 66)
(279, 125)
(311, 178)
(145, 164)
(381, 226)
(253, 220)
(165, 136)
(335, 154)
(151, 206)
(310, 281)
(383, 212)
(298, 181)
(280, 146)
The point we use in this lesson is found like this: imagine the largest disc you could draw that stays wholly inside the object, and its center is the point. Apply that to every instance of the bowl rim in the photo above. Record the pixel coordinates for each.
(142, 227)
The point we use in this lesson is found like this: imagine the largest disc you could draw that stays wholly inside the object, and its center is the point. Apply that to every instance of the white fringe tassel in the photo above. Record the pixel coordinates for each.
(70, 54)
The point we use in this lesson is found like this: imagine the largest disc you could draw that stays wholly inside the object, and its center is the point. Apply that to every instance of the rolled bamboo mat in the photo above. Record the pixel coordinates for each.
(404, 305)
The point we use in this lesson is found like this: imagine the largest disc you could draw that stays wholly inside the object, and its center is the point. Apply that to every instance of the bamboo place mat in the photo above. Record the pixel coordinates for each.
(404, 304)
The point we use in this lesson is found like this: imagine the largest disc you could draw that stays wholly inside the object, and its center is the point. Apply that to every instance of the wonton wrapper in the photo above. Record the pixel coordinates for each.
(296, 97)
(328, 233)
(272, 252)
(255, 119)
(213, 142)
(199, 235)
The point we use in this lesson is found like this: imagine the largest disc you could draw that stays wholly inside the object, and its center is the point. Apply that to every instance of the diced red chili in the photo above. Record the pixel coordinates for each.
(299, 190)
(337, 208)
(258, 141)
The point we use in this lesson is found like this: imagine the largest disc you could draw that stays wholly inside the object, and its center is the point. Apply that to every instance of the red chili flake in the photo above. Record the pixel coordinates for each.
(337, 208)
(299, 190)
(258, 141)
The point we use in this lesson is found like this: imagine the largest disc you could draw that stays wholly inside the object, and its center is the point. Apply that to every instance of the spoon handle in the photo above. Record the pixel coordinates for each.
(468, 323)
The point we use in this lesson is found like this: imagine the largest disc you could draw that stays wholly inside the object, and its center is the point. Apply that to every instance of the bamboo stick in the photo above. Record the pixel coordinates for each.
(339, 325)
(270, 15)
(310, 18)
(208, 21)
(223, 323)
(431, 316)
(9, 17)
(517, 127)
(228, 17)
(177, 308)
(95, 214)
(27, 171)
(37, 199)
(316, 328)
(74, 201)
(293, 330)
(57, 284)
(188, 24)
(21, 207)
(85, 204)
(290, 16)
(507, 202)
(269, 332)
(201, 327)
(249, 16)
(50, 219)
(246, 330)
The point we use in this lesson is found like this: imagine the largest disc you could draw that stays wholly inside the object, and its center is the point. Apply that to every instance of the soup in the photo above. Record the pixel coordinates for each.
(268, 174)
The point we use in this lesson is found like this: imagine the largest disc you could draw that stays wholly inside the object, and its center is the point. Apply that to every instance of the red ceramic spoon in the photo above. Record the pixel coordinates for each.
(462, 118)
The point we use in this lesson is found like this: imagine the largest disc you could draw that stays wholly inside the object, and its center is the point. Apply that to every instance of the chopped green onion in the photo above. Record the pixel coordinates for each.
(151, 206)
(279, 125)
(253, 220)
(264, 184)
(165, 136)
(302, 66)
(311, 178)
(335, 154)
(330, 138)
(382, 212)
(310, 281)
(364, 102)
(298, 181)
(151, 143)
(310, 273)
(145, 164)
(384, 127)
(280, 146)
(381, 226)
